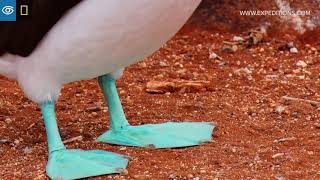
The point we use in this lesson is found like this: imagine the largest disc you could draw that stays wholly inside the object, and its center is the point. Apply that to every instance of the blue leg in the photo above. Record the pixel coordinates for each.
(167, 135)
(74, 164)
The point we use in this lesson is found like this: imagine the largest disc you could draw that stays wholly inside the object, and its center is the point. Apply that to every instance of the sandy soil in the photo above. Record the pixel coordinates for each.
(260, 135)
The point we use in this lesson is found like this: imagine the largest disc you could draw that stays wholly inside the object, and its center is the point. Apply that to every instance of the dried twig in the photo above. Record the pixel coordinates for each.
(284, 139)
(4, 141)
(31, 126)
(287, 98)
(77, 138)
(159, 87)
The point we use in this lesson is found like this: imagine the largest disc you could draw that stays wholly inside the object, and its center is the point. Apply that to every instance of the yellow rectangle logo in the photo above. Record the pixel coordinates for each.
(24, 10)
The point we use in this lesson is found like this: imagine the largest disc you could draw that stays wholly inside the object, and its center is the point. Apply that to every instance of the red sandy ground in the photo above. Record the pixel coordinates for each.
(252, 140)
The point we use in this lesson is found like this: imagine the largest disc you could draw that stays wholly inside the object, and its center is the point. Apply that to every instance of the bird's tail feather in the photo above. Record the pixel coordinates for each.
(7, 68)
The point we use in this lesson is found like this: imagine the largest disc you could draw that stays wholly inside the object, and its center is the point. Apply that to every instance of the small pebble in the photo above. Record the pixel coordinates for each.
(280, 178)
(317, 125)
(27, 150)
(172, 176)
(190, 176)
(202, 171)
(16, 142)
(294, 50)
(290, 45)
(8, 120)
(313, 49)
(229, 48)
(143, 64)
(302, 77)
(238, 38)
(280, 109)
(310, 152)
(124, 172)
(123, 148)
(302, 64)
(213, 55)
(163, 64)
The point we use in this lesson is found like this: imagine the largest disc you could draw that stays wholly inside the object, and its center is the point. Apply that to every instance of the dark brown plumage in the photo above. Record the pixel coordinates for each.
(22, 37)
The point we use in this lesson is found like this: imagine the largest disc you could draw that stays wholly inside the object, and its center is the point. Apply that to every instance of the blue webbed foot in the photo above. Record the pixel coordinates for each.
(75, 164)
(166, 135)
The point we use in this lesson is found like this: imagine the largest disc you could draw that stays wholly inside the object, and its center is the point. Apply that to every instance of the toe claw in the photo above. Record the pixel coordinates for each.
(151, 146)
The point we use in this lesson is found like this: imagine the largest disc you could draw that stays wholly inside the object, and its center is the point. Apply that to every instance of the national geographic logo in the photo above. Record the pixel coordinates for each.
(15, 10)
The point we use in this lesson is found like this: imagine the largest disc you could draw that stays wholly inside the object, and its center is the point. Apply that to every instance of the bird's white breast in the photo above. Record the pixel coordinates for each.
(99, 36)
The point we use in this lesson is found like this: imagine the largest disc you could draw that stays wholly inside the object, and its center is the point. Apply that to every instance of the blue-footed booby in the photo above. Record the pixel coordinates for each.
(66, 41)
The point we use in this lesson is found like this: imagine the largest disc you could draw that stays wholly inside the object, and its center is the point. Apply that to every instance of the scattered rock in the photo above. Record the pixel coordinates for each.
(294, 50)
(289, 47)
(190, 176)
(123, 148)
(314, 49)
(122, 92)
(272, 77)
(27, 150)
(172, 176)
(143, 64)
(16, 142)
(244, 72)
(310, 152)
(234, 150)
(280, 178)
(280, 109)
(302, 77)
(229, 47)
(213, 55)
(295, 115)
(238, 39)
(124, 172)
(256, 37)
(8, 120)
(302, 64)
(163, 64)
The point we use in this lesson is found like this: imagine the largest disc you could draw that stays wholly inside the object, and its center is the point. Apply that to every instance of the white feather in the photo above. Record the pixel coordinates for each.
(98, 37)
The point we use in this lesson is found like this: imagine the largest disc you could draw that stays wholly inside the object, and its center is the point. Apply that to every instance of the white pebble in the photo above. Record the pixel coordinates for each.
(238, 38)
(280, 109)
(294, 50)
(302, 64)
(213, 55)
(27, 150)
